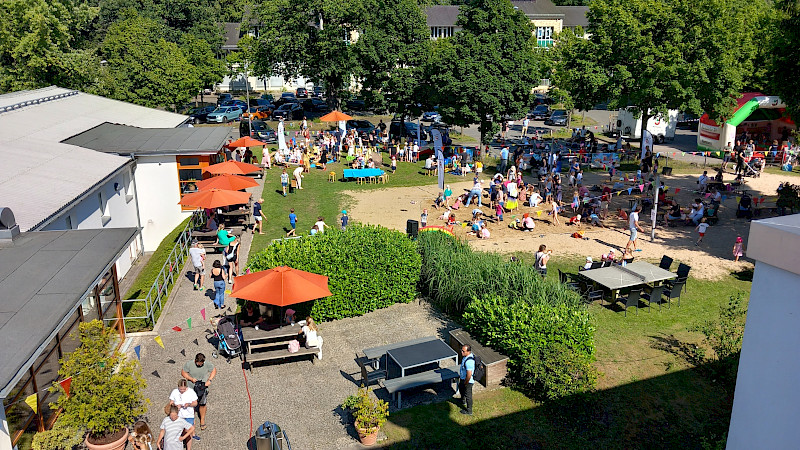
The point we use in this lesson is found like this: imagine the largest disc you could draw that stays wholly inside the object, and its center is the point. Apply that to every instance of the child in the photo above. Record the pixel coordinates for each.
(445, 215)
(484, 233)
(284, 181)
(423, 218)
(394, 164)
(345, 219)
(575, 220)
(459, 202)
(478, 167)
(451, 219)
(292, 222)
(576, 202)
(701, 230)
(556, 209)
(738, 248)
(498, 209)
(447, 194)
(439, 201)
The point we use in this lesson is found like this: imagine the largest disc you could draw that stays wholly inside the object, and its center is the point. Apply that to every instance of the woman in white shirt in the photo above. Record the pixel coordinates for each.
(185, 399)
(310, 332)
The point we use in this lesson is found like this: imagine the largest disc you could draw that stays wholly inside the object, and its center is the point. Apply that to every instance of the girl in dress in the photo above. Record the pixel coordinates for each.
(738, 249)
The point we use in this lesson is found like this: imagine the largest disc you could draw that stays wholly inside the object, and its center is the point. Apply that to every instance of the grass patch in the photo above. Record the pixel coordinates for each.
(647, 397)
(141, 286)
(777, 171)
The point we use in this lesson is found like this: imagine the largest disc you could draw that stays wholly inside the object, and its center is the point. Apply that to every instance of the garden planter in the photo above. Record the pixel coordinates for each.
(368, 438)
(117, 444)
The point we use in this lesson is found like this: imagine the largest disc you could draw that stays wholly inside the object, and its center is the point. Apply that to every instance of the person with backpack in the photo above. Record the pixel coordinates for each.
(466, 373)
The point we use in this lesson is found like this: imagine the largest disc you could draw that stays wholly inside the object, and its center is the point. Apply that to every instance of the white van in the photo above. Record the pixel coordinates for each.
(630, 127)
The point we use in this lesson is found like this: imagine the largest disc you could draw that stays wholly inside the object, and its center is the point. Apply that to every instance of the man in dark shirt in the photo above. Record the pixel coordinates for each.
(249, 317)
(257, 216)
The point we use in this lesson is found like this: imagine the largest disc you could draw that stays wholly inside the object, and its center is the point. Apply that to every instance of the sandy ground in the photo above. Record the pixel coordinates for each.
(392, 207)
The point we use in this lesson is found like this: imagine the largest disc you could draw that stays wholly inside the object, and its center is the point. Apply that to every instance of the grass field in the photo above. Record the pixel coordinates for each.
(647, 397)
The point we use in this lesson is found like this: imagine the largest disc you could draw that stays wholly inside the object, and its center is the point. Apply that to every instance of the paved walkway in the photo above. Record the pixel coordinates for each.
(302, 397)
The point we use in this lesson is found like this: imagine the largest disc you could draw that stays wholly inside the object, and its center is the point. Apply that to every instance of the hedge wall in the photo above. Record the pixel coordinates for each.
(541, 325)
(369, 267)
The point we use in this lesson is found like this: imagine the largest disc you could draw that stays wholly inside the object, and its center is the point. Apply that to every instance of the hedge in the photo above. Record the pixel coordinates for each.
(541, 325)
(369, 267)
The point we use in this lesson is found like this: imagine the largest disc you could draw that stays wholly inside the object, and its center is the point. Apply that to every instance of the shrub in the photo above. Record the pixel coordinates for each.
(453, 274)
(550, 347)
(369, 267)
(370, 413)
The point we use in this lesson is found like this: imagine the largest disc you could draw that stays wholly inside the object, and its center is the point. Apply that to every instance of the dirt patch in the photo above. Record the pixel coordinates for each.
(392, 207)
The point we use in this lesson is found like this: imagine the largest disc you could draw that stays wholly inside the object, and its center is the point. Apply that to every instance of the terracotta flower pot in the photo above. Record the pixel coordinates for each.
(119, 444)
(368, 437)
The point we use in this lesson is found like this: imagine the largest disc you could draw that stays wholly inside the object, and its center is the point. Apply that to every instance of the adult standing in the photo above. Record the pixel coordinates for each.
(465, 380)
(198, 254)
(542, 257)
(726, 155)
(174, 431)
(199, 374)
(739, 162)
(230, 256)
(633, 224)
(525, 123)
(258, 216)
(298, 175)
(218, 276)
(503, 160)
(477, 190)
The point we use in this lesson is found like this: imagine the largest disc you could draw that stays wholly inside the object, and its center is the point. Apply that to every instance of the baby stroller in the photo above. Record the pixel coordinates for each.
(228, 342)
(753, 168)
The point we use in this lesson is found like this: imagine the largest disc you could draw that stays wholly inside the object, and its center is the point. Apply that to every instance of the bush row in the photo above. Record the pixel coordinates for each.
(369, 267)
(541, 325)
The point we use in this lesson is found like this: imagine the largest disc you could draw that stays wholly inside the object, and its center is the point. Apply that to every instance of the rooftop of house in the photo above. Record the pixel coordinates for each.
(128, 140)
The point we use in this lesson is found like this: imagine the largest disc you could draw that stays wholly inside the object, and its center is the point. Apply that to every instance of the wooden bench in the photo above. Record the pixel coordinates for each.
(283, 353)
(495, 363)
(396, 385)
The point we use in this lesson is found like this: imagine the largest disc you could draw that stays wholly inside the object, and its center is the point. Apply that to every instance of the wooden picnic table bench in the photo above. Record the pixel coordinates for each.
(495, 362)
(396, 385)
(280, 354)
(277, 342)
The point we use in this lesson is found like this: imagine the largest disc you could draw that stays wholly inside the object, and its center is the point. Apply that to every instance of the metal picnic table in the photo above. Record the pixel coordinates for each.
(420, 354)
(616, 277)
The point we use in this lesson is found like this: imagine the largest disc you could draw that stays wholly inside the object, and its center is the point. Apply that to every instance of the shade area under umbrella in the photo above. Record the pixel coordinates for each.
(335, 116)
(228, 182)
(280, 286)
(232, 168)
(215, 198)
(246, 141)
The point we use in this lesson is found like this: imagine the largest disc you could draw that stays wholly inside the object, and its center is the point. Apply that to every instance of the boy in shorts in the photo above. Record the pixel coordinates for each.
(292, 222)
(701, 230)
(284, 181)
(258, 215)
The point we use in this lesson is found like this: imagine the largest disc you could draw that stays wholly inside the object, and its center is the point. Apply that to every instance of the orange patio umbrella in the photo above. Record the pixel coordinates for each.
(246, 141)
(280, 286)
(215, 198)
(232, 168)
(228, 182)
(334, 116)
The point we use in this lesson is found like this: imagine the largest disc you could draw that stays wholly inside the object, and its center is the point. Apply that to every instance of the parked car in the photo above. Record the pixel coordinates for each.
(268, 97)
(541, 99)
(540, 112)
(224, 114)
(301, 92)
(199, 115)
(236, 103)
(688, 120)
(318, 92)
(431, 116)
(363, 127)
(259, 113)
(260, 130)
(221, 98)
(558, 118)
(443, 129)
(315, 105)
(355, 104)
(291, 111)
(288, 95)
(409, 130)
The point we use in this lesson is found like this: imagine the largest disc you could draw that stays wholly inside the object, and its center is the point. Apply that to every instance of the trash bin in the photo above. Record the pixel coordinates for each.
(269, 436)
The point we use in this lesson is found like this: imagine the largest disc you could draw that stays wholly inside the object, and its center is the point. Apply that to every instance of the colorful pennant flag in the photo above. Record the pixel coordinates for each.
(203, 313)
(183, 352)
(31, 401)
(176, 328)
(630, 190)
(189, 322)
(641, 188)
(677, 190)
(155, 374)
(65, 384)
(160, 342)
(138, 350)
(538, 213)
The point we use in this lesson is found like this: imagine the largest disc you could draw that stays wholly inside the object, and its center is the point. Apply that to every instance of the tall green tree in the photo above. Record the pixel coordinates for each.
(208, 69)
(143, 68)
(487, 70)
(43, 42)
(784, 61)
(200, 18)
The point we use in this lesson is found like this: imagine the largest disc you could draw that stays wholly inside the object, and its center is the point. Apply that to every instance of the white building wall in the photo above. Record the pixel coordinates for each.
(261, 84)
(157, 186)
(5, 433)
(118, 210)
(766, 404)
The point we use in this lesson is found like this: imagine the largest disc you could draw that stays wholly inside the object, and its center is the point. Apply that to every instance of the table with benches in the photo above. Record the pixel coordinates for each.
(363, 174)
(209, 238)
(273, 345)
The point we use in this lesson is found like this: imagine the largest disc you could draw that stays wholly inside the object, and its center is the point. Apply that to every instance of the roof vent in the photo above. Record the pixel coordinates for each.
(8, 224)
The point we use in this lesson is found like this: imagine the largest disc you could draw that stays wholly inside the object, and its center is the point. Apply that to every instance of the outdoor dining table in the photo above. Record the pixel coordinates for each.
(232, 217)
(421, 354)
(276, 335)
(362, 173)
(617, 277)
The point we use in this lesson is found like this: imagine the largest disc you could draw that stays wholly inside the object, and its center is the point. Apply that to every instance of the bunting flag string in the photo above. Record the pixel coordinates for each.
(31, 400)
(138, 350)
(159, 341)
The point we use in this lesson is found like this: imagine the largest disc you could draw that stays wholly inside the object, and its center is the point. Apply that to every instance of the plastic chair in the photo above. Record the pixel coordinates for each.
(653, 296)
(666, 262)
(331, 177)
(674, 291)
(632, 299)
(683, 276)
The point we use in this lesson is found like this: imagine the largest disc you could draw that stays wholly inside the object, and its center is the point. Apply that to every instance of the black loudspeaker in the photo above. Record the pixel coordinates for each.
(412, 228)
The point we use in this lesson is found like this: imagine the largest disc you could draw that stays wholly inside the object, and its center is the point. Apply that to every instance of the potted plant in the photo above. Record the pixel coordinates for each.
(369, 413)
(107, 390)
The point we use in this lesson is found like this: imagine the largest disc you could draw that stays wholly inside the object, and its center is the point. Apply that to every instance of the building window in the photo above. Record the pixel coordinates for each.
(190, 171)
(544, 36)
(441, 32)
(544, 82)
(105, 211)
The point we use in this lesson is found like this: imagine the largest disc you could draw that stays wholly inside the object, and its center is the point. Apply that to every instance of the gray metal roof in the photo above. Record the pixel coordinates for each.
(441, 15)
(232, 35)
(575, 16)
(446, 15)
(534, 8)
(40, 174)
(127, 140)
(43, 277)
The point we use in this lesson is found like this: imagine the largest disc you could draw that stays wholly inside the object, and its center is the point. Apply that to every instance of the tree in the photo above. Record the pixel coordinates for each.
(393, 49)
(43, 43)
(208, 70)
(199, 18)
(143, 68)
(784, 62)
(488, 70)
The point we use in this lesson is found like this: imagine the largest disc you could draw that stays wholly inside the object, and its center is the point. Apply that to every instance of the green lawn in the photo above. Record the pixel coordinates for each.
(648, 396)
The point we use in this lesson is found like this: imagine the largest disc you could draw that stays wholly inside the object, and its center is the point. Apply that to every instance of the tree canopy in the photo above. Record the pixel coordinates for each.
(783, 61)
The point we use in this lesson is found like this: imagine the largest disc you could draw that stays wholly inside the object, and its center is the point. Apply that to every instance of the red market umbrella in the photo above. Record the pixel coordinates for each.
(334, 116)
(228, 182)
(215, 198)
(280, 286)
(232, 168)
(246, 141)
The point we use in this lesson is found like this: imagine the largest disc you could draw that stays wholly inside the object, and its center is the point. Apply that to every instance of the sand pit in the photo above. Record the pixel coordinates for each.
(392, 207)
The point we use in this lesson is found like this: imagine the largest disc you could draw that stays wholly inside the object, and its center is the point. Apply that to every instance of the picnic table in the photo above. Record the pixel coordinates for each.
(615, 278)
(236, 217)
(361, 173)
(273, 344)
(417, 355)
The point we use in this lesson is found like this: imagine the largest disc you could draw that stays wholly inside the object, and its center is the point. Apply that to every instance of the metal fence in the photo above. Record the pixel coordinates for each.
(169, 273)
